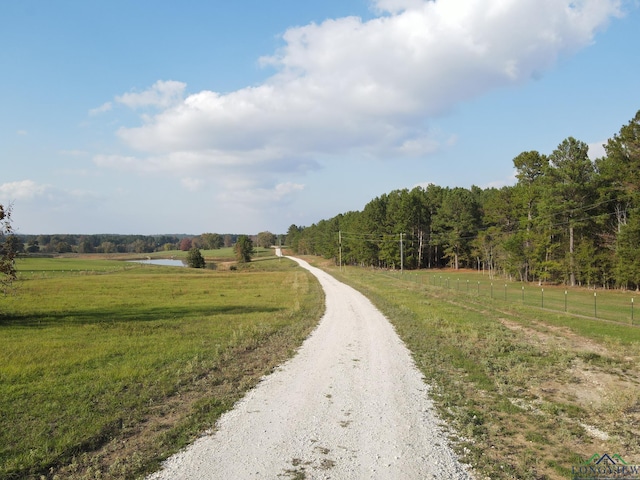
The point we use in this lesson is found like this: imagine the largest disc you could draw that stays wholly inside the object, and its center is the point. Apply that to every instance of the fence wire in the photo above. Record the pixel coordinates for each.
(610, 305)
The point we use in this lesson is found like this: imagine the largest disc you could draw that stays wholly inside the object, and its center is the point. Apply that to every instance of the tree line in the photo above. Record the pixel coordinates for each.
(567, 220)
(114, 243)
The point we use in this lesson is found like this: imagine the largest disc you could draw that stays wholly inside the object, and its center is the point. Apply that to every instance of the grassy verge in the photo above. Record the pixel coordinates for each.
(527, 393)
(613, 305)
(104, 375)
(218, 255)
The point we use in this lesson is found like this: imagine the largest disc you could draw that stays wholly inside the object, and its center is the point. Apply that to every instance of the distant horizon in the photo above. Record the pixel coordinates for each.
(143, 234)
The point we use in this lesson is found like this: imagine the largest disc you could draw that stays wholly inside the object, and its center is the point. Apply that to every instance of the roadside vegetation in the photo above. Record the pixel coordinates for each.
(568, 220)
(107, 367)
(528, 393)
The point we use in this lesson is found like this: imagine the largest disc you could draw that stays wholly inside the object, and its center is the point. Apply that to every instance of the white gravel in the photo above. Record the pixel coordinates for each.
(350, 405)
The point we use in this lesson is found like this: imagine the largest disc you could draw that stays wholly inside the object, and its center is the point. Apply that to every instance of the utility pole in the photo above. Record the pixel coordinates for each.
(401, 256)
(340, 247)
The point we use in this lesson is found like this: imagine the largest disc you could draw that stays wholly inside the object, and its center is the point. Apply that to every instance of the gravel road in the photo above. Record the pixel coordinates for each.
(350, 405)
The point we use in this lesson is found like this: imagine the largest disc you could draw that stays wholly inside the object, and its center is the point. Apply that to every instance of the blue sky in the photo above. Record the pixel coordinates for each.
(203, 116)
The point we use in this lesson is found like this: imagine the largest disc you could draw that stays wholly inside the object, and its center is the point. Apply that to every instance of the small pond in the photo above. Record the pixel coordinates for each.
(165, 262)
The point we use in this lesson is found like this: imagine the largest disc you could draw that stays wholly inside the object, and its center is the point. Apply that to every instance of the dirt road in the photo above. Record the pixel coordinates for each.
(349, 405)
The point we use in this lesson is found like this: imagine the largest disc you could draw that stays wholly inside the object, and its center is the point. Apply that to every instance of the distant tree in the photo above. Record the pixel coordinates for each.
(32, 246)
(44, 241)
(266, 239)
(7, 248)
(569, 194)
(293, 237)
(620, 189)
(141, 246)
(212, 241)
(85, 246)
(456, 224)
(243, 249)
(195, 258)
(627, 267)
(15, 244)
(62, 247)
(107, 247)
(186, 244)
(531, 167)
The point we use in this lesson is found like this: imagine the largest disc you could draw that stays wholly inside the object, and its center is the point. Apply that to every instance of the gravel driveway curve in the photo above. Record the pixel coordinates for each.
(349, 405)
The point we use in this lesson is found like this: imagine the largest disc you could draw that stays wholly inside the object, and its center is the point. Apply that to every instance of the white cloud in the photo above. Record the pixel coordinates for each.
(512, 180)
(596, 150)
(192, 184)
(30, 190)
(162, 94)
(285, 189)
(117, 162)
(74, 153)
(22, 190)
(22, 132)
(396, 6)
(414, 147)
(105, 107)
(257, 197)
(354, 88)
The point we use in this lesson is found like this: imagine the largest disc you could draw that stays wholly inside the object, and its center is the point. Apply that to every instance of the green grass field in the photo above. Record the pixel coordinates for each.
(220, 254)
(614, 305)
(94, 352)
(107, 367)
(529, 393)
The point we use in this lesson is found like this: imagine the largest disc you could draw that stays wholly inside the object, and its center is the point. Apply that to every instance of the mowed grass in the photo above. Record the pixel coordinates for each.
(42, 267)
(88, 362)
(605, 304)
(219, 254)
(528, 393)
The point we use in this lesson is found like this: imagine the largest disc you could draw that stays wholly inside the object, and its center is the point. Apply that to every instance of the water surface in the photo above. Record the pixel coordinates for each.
(166, 262)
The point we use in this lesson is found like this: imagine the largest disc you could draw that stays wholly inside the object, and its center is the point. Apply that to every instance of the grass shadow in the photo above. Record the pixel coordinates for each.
(123, 315)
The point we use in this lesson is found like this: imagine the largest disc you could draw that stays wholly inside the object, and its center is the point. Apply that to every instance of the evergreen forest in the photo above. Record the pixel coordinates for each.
(568, 220)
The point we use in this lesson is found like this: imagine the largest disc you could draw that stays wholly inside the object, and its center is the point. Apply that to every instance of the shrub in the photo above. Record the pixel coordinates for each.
(195, 258)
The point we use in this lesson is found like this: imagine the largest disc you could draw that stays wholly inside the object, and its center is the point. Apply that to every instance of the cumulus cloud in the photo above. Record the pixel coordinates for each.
(162, 94)
(22, 190)
(105, 107)
(354, 88)
(46, 201)
(74, 153)
(192, 184)
(395, 6)
(252, 197)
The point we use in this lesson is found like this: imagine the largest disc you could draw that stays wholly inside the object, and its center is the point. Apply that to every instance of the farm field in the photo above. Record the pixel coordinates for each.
(613, 305)
(220, 254)
(528, 392)
(111, 261)
(107, 367)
